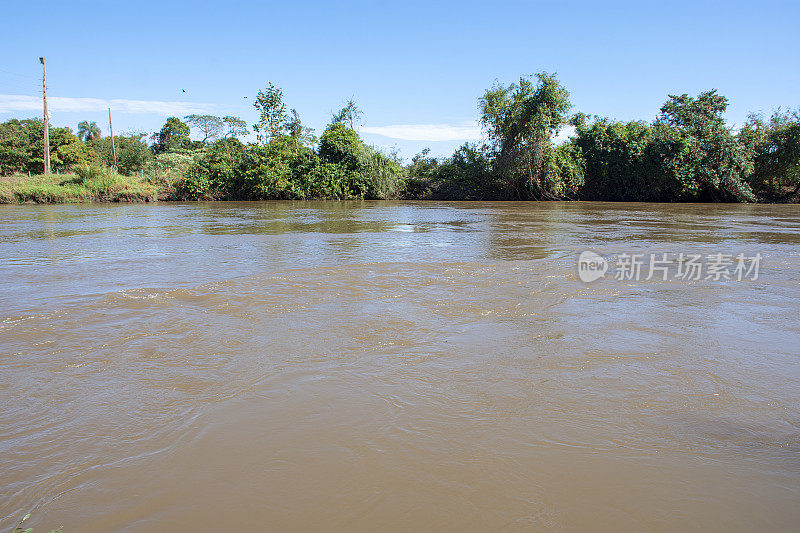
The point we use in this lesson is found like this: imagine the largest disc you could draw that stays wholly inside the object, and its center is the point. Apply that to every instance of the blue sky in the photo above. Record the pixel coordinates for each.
(415, 68)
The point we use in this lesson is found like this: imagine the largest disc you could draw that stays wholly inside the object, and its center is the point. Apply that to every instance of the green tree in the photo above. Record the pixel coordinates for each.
(614, 159)
(14, 146)
(22, 147)
(88, 131)
(714, 164)
(214, 174)
(349, 114)
(467, 175)
(234, 127)
(133, 154)
(358, 170)
(520, 121)
(210, 126)
(173, 137)
(567, 170)
(342, 146)
(272, 114)
(775, 147)
(296, 130)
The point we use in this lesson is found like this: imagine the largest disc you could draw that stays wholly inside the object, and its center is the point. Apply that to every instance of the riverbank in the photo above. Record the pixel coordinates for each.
(111, 187)
(72, 188)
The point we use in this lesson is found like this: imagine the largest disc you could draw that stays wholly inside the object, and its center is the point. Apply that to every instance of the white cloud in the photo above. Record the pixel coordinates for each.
(426, 132)
(10, 103)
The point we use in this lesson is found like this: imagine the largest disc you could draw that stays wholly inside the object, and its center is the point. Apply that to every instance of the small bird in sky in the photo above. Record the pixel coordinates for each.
(183, 90)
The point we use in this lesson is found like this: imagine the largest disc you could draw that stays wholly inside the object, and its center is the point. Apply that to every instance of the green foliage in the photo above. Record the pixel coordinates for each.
(362, 171)
(774, 146)
(210, 126)
(88, 131)
(22, 147)
(231, 170)
(86, 173)
(467, 175)
(214, 171)
(234, 127)
(385, 174)
(520, 159)
(566, 171)
(89, 183)
(98, 179)
(715, 163)
(687, 154)
(66, 150)
(173, 137)
(169, 168)
(285, 168)
(422, 172)
(613, 156)
(133, 154)
(272, 114)
(15, 150)
(349, 115)
(296, 130)
(520, 121)
(342, 146)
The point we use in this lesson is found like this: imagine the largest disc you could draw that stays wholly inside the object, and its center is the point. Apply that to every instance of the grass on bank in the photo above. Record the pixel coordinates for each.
(87, 184)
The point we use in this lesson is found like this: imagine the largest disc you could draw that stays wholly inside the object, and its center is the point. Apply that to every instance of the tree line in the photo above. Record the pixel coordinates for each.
(687, 153)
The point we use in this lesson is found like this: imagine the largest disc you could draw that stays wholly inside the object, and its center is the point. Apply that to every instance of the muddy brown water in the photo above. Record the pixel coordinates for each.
(384, 366)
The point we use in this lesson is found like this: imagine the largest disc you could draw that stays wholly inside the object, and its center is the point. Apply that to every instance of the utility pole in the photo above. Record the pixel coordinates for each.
(113, 145)
(46, 120)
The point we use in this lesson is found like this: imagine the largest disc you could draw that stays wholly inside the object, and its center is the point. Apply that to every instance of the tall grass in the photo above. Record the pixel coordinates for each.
(99, 180)
(88, 183)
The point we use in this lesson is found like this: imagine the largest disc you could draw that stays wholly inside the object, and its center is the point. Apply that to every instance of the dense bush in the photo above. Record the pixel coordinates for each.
(168, 168)
(22, 148)
(614, 159)
(286, 169)
(467, 175)
(774, 146)
(173, 137)
(133, 152)
(688, 153)
(566, 171)
(97, 179)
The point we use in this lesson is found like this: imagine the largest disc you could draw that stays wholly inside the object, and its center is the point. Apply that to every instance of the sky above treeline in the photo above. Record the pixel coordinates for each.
(416, 69)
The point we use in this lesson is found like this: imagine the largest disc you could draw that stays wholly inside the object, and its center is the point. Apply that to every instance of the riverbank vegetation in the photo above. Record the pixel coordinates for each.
(687, 153)
(87, 183)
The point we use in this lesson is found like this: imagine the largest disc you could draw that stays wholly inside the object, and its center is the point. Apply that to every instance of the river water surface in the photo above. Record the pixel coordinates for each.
(395, 367)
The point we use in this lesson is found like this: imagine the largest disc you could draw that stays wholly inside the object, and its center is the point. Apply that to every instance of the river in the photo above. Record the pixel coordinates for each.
(393, 366)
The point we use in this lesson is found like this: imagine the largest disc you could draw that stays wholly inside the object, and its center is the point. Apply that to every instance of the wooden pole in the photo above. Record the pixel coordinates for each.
(46, 120)
(113, 145)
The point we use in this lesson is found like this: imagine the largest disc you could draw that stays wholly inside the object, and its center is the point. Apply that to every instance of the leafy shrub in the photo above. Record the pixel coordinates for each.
(22, 148)
(566, 169)
(133, 153)
(169, 168)
(86, 172)
(98, 179)
(466, 175)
